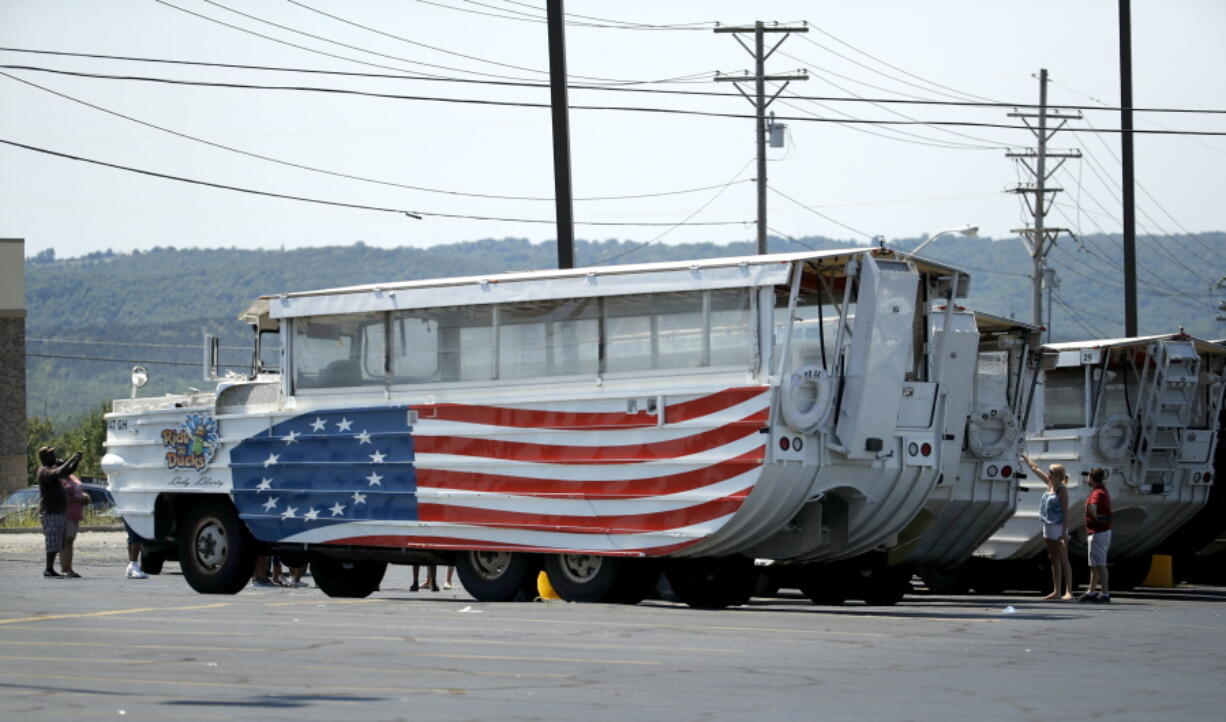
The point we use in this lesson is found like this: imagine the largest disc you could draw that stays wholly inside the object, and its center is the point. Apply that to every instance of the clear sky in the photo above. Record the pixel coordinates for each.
(838, 180)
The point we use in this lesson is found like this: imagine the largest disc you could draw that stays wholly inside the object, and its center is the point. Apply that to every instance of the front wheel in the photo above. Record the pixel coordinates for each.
(352, 579)
(495, 576)
(215, 552)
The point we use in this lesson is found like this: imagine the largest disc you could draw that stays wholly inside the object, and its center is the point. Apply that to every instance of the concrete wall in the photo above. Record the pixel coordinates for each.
(12, 364)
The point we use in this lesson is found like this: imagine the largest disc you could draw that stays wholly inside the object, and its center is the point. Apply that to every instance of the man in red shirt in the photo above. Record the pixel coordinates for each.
(1098, 530)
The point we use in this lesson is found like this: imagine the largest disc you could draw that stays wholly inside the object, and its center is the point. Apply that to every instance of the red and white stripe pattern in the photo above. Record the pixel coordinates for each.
(577, 477)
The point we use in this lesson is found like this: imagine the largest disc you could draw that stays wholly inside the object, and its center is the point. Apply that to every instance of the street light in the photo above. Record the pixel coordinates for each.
(968, 231)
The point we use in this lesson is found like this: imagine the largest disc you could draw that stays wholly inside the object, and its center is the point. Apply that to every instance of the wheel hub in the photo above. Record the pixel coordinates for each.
(490, 565)
(211, 546)
(581, 567)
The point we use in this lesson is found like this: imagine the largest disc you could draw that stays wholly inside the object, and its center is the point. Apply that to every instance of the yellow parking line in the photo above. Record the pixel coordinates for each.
(119, 645)
(329, 603)
(262, 685)
(83, 615)
(367, 638)
(91, 660)
(408, 621)
(231, 664)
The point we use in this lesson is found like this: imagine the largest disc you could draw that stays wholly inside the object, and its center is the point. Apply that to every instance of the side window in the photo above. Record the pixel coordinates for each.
(815, 330)
(548, 338)
(732, 337)
(338, 351)
(1120, 393)
(1064, 398)
(443, 344)
(658, 331)
(992, 379)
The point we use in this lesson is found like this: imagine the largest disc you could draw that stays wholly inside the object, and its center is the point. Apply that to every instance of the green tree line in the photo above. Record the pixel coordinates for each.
(87, 436)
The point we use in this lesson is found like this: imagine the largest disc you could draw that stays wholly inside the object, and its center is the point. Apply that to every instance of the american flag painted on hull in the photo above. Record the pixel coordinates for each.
(568, 476)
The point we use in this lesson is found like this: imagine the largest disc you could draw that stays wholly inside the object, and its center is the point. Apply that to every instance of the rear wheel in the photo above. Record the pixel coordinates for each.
(945, 580)
(215, 552)
(825, 584)
(352, 579)
(493, 576)
(583, 577)
(713, 583)
(885, 586)
(636, 582)
(986, 577)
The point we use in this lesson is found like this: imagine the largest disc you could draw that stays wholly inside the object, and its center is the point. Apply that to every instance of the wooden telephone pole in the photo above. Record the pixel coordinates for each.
(759, 99)
(1038, 238)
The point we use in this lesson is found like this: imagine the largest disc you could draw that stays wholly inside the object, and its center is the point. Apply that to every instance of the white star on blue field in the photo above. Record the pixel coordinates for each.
(324, 468)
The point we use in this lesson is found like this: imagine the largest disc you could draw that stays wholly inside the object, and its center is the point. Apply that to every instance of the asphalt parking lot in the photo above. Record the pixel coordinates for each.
(107, 647)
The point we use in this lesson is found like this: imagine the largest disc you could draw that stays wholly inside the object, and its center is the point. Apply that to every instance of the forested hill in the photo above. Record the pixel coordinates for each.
(151, 307)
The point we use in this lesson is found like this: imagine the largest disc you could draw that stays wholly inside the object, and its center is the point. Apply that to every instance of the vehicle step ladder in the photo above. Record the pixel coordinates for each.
(1168, 389)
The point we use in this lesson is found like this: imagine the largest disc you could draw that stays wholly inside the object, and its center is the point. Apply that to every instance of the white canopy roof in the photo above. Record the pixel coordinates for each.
(708, 274)
(1202, 346)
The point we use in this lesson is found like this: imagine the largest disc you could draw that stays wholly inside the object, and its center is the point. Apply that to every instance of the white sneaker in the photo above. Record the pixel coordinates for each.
(134, 572)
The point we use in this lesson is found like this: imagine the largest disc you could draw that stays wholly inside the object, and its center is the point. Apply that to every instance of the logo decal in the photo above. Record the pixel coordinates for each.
(193, 444)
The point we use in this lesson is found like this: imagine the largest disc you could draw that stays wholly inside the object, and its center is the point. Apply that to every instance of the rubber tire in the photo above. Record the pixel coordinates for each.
(151, 562)
(636, 582)
(945, 580)
(885, 586)
(767, 583)
(487, 580)
(347, 579)
(826, 584)
(713, 583)
(569, 574)
(208, 524)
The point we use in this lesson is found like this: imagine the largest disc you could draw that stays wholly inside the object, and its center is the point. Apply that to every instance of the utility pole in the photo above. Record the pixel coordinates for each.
(561, 134)
(1038, 238)
(759, 99)
(1221, 302)
(1126, 171)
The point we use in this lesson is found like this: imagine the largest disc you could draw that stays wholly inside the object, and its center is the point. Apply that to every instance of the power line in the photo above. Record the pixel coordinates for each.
(820, 214)
(458, 54)
(1091, 328)
(674, 227)
(522, 104)
(376, 53)
(338, 174)
(124, 360)
(965, 146)
(1144, 190)
(403, 75)
(1162, 249)
(412, 214)
(80, 341)
(181, 179)
(957, 94)
(624, 24)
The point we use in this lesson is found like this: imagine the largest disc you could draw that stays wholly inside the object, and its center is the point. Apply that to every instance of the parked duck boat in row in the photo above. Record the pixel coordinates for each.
(820, 411)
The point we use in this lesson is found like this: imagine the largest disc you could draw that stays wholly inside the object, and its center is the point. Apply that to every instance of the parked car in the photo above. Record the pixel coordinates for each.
(24, 502)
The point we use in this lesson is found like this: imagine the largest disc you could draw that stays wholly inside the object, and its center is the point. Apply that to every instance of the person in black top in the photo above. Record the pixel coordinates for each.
(53, 501)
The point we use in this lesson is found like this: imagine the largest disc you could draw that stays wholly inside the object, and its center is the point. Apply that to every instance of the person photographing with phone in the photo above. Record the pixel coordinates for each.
(53, 502)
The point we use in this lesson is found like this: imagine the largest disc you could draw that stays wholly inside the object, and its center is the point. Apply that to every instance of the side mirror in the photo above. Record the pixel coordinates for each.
(212, 356)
